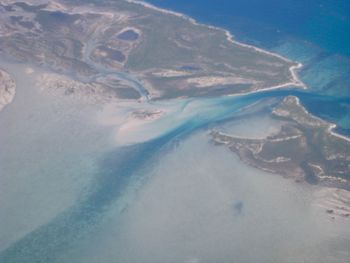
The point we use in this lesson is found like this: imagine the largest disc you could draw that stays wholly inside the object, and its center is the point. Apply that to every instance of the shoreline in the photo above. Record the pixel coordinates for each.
(296, 81)
(332, 126)
(332, 131)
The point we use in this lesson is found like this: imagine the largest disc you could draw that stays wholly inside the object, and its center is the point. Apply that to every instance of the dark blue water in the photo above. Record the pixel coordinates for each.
(324, 22)
(314, 32)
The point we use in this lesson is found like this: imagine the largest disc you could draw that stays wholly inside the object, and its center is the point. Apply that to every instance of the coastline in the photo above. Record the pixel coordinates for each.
(332, 131)
(296, 81)
(332, 126)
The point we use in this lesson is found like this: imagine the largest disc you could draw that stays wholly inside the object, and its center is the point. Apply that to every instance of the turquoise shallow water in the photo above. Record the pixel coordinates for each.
(316, 33)
(126, 168)
(299, 30)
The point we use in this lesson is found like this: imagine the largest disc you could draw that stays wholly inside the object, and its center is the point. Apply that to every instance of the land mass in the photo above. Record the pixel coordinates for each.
(141, 51)
(305, 148)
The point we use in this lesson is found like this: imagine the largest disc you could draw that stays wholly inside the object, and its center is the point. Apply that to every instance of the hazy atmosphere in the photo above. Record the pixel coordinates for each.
(132, 133)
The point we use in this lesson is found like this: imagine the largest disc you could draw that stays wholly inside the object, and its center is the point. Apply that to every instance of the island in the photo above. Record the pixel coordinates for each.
(305, 148)
(117, 123)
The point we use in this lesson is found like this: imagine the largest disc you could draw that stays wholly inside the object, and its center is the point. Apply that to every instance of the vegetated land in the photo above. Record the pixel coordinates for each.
(305, 148)
(130, 44)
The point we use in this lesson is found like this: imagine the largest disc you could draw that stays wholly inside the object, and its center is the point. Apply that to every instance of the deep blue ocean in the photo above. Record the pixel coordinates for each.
(314, 32)
(266, 23)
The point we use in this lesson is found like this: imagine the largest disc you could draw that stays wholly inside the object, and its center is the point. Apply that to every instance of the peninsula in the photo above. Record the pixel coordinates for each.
(132, 50)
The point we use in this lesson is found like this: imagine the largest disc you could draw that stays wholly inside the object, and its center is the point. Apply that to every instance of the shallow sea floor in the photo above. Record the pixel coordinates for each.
(48, 157)
(201, 204)
(315, 33)
(71, 191)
